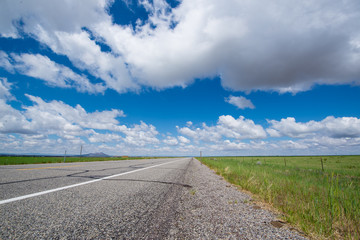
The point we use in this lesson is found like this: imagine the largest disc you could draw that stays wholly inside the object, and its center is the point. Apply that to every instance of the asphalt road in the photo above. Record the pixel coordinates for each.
(99, 200)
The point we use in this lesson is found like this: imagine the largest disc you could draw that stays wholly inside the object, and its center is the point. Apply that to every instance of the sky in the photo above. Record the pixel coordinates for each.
(176, 77)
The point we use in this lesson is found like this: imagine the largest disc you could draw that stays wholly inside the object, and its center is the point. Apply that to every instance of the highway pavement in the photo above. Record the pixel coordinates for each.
(133, 199)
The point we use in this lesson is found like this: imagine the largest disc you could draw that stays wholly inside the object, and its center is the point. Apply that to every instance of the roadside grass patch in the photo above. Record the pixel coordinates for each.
(15, 160)
(324, 204)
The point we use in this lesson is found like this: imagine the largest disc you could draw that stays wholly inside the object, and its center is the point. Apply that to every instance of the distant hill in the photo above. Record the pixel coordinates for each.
(100, 154)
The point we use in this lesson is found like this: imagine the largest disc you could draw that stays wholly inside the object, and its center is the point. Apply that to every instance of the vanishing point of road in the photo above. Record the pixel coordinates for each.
(95, 200)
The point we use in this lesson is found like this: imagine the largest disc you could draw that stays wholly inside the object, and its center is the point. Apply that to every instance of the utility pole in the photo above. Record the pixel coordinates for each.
(65, 156)
(201, 154)
(81, 151)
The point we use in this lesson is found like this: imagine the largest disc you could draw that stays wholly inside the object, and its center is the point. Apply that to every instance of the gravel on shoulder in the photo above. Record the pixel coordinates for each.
(214, 209)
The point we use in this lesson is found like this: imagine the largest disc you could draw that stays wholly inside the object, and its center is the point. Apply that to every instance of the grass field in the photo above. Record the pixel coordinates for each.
(12, 160)
(318, 194)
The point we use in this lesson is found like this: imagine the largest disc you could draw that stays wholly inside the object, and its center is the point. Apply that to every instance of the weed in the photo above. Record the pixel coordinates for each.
(192, 192)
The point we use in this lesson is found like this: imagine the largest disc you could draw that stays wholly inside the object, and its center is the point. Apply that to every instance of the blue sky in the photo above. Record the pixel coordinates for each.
(141, 77)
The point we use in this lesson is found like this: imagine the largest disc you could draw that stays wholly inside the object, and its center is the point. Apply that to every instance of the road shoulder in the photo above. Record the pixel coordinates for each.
(214, 209)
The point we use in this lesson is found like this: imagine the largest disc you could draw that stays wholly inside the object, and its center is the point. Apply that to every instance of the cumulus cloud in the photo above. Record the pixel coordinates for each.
(45, 127)
(108, 137)
(11, 120)
(242, 136)
(289, 127)
(179, 141)
(240, 102)
(141, 135)
(56, 115)
(183, 140)
(228, 145)
(282, 45)
(233, 39)
(340, 127)
(52, 126)
(53, 118)
(227, 127)
(172, 141)
(60, 16)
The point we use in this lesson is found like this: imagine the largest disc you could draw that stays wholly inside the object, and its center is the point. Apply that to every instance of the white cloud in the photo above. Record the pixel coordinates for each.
(283, 45)
(11, 120)
(86, 54)
(108, 137)
(227, 127)
(290, 144)
(44, 124)
(183, 140)
(172, 141)
(5, 87)
(344, 127)
(228, 145)
(341, 127)
(233, 39)
(5, 62)
(66, 16)
(240, 128)
(52, 127)
(141, 135)
(49, 127)
(58, 116)
(240, 102)
(62, 31)
(242, 136)
(334, 144)
(289, 127)
(56, 75)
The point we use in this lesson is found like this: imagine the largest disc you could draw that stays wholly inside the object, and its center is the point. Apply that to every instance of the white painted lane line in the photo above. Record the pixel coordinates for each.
(78, 184)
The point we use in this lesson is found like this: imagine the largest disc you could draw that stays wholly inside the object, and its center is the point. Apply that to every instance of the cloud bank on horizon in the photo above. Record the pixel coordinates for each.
(49, 126)
(285, 46)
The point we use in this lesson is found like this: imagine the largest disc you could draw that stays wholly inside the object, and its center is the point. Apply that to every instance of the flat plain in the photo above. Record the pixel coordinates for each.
(14, 160)
(318, 194)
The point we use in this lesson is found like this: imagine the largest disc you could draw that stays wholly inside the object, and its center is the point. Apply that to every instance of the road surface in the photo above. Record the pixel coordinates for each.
(98, 200)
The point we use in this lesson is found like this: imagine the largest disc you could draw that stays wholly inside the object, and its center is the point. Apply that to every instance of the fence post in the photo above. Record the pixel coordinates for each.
(322, 164)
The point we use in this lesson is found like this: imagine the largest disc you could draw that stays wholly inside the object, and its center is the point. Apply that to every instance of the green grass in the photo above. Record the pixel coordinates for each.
(12, 160)
(324, 204)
